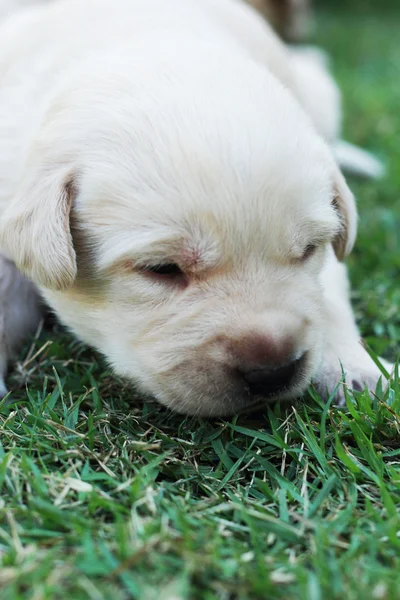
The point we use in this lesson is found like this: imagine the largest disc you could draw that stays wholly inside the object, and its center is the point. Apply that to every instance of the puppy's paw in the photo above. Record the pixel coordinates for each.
(355, 371)
(358, 162)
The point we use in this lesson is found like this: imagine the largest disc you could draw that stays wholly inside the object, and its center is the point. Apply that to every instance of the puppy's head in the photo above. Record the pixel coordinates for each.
(183, 233)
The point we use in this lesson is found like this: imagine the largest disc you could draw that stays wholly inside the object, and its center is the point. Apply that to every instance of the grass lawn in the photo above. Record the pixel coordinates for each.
(105, 497)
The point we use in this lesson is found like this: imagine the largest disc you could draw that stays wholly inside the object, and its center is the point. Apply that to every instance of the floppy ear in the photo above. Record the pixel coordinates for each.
(35, 229)
(345, 206)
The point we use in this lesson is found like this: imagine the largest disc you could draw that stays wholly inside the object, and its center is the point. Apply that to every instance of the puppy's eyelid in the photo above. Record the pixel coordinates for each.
(168, 273)
(309, 251)
(164, 269)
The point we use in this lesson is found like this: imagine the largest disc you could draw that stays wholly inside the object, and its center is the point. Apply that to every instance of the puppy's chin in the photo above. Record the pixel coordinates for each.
(225, 406)
(223, 396)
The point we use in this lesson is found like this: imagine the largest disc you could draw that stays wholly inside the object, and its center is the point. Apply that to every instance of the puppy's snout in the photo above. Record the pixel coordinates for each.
(268, 365)
(270, 381)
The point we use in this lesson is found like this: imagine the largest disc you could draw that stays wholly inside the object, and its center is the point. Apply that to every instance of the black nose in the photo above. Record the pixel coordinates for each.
(270, 381)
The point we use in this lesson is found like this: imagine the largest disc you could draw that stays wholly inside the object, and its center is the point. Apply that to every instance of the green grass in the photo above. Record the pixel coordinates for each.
(105, 497)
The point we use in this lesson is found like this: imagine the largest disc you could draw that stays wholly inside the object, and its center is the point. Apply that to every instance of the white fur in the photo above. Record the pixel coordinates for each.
(139, 132)
(8, 7)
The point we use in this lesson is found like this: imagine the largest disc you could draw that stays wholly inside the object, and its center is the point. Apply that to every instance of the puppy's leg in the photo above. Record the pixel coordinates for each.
(343, 348)
(20, 313)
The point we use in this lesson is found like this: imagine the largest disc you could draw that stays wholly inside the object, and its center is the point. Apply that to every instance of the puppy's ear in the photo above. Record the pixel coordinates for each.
(345, 206)
(35, 228)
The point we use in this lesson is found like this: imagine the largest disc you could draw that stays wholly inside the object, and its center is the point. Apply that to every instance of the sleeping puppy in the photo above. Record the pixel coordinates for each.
(162, 185)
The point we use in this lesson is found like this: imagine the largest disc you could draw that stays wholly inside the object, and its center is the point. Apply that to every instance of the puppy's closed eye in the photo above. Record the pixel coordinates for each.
(309, 251)
(165, 272)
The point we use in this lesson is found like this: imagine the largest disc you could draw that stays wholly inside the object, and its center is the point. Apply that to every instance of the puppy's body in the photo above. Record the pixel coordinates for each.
(174, 202)
(19, 314)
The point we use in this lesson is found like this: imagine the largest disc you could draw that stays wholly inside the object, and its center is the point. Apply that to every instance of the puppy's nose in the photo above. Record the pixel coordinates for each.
(269, 381)
(267, 364)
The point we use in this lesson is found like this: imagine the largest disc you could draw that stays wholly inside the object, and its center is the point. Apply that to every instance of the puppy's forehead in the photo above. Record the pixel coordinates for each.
(196, 197)
(245, 170)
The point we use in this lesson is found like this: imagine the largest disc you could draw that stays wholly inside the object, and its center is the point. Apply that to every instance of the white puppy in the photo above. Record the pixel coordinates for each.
(163, 187)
